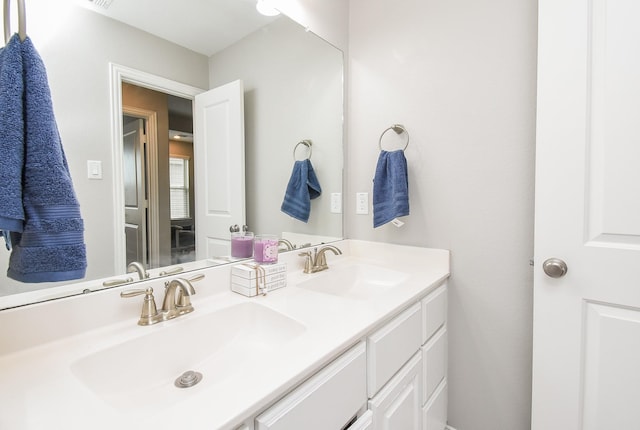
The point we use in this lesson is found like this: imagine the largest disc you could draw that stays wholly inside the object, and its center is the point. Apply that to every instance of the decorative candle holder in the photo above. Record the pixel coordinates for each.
(265, 249)
(242, 244)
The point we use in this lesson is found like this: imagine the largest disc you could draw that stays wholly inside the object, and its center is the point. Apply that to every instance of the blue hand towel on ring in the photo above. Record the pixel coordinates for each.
(390, 187)
(12, 141)
(50, 246)
(303, 186)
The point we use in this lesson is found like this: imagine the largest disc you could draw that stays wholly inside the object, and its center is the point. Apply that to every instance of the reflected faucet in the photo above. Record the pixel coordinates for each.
(134, 266)
(318, 261)
(288, 246)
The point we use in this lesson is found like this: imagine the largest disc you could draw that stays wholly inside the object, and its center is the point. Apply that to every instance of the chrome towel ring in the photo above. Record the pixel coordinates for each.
(399, 129)
(306, 143)
(22, 21)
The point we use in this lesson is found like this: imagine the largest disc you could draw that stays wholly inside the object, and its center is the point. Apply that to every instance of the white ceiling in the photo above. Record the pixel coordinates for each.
(204, 26)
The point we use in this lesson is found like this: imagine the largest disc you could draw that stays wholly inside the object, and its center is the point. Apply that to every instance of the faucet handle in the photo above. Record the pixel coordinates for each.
(308, 262)
(149, 314)
(173, 271)
(116, 282)
(196, 278)
(182, 300)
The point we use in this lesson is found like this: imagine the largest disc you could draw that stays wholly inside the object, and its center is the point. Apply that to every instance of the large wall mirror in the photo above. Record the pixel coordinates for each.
(292, 91)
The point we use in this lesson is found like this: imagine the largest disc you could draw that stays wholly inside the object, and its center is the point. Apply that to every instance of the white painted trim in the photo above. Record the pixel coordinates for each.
(449, 428)
(119, 74)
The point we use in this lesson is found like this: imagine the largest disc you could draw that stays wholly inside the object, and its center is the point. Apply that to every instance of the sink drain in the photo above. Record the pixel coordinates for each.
(188, 379)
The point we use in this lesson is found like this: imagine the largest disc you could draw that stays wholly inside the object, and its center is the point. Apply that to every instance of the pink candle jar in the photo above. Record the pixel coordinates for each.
(242, 244)
(265, 249)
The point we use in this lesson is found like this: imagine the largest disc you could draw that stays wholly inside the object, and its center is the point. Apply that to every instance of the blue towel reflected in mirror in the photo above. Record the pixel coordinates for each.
(303, 186)
(48, 244)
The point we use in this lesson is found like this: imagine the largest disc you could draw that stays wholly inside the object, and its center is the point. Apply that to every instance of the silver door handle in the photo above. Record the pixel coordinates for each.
(555, 268)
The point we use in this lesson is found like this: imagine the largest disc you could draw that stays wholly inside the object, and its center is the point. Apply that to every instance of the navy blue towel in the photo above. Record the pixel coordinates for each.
(303, 186)
(50, 245)
(12, 137)
(390, 188)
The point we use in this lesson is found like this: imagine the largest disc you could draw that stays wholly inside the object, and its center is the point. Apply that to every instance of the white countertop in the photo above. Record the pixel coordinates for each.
(40, 343)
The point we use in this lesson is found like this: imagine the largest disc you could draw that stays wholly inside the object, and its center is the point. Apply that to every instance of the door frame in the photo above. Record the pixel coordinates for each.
(119, 74)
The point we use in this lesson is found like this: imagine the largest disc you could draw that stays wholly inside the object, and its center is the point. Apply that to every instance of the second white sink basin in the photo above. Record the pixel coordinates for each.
(218, 344)
(355, 281)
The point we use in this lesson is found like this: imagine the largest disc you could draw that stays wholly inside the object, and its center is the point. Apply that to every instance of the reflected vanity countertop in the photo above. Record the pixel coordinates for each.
(60, 365)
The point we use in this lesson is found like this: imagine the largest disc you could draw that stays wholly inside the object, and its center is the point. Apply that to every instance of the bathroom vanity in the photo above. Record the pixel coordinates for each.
(362, 345)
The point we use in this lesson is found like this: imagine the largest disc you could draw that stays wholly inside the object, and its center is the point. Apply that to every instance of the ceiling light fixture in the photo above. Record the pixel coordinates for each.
(265, 8)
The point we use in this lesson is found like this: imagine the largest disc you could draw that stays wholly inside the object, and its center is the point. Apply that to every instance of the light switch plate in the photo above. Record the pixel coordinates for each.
(94, 169)
(362, 203)
(336, 203)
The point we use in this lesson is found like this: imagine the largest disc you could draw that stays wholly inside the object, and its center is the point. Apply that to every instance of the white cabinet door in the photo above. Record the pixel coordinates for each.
(326, 401)
(219, 154)
(586, 334)
(365, 422)
(136, 203)
(434, 357)
(399, 404)
(434, 413)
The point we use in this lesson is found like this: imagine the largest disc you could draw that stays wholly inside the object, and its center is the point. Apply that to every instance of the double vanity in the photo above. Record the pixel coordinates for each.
(360, 345)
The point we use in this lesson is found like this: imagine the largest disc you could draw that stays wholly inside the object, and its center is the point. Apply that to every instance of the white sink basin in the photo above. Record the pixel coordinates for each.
(355, 281)
(219, 344)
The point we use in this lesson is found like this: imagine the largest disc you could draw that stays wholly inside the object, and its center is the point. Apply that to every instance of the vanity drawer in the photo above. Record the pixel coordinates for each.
(327, 400)
(391, 346)
(434, 360)
(434, 413)
(434, 312)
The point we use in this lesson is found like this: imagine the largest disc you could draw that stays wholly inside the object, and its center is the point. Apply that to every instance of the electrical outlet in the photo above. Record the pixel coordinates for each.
(336, 203)
(362, 203)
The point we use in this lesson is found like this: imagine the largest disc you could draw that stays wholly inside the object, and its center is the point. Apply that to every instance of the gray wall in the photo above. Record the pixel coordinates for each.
(460, 75)
(293, 90)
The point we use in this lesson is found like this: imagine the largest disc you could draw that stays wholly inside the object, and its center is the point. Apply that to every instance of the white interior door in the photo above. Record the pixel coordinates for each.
(135, 191)
(219, 155)
(586, 361)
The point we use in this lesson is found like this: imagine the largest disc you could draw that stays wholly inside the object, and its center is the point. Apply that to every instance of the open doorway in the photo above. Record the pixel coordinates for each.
(158, 160)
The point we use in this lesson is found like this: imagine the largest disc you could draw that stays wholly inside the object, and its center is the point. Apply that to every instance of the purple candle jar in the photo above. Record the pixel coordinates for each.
(265, 249)
(242, 244)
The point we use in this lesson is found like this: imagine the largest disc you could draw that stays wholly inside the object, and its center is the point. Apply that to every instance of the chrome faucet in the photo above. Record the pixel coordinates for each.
(134, 266)
(177, 298)
(177, 301)
(318, 261)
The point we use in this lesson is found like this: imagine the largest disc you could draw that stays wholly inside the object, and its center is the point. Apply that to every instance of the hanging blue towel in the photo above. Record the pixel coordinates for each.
(390, 188)
(302, 188)
(50, 246)
(11, 138)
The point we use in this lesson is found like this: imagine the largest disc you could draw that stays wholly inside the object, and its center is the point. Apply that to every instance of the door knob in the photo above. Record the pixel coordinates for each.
(554, 267)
